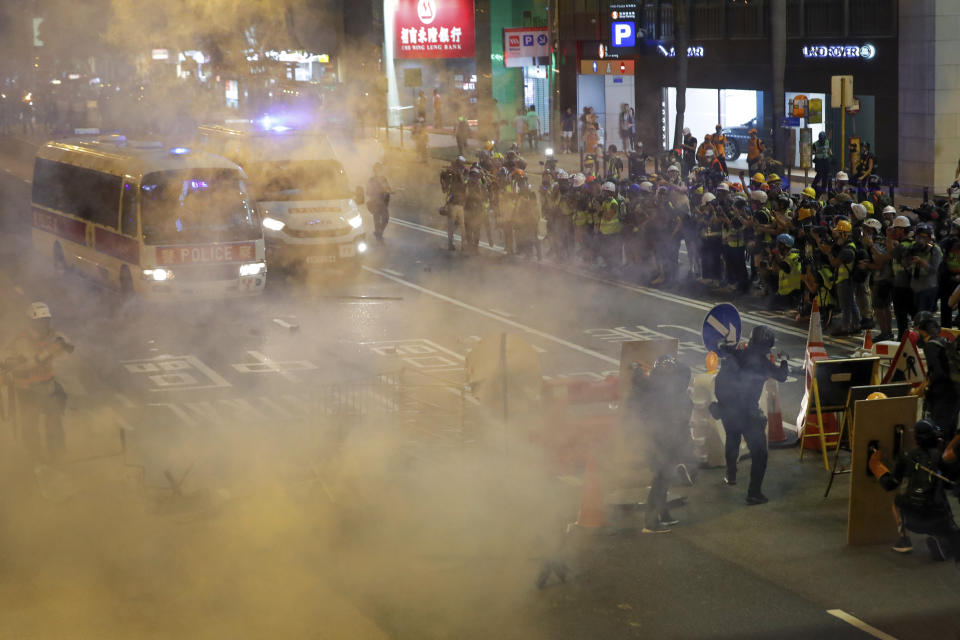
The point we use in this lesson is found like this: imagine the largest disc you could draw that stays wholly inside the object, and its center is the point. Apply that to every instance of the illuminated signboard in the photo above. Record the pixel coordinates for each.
(692, 52)
(840, 51)
(623, 33)
(434, 29)
(521, 46)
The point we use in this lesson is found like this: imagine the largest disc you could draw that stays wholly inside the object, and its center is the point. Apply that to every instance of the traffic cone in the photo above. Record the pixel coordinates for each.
(591, 514)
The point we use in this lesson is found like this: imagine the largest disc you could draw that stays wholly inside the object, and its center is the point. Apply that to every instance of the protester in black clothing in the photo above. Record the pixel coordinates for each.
(922, 507)
(738, 386)
(941, 396)
(659, 408)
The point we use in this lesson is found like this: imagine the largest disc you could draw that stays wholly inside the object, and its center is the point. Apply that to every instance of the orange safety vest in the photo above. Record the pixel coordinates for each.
(39, 352)
(753, 148)
(719, 143)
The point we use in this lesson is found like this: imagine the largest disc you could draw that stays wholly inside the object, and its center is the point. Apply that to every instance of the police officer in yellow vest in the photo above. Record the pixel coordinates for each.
(734, 243)
(608, 228)
(790, 269)
(30, 367)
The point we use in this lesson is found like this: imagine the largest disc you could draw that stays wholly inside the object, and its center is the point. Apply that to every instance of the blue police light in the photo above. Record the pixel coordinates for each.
(623, 33)
(179, 151)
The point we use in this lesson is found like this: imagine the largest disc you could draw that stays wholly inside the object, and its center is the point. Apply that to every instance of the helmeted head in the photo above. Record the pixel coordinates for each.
(786, 240)
(673, 170)
(723, 186)
(926, 434)
(858, 210)
(926, 324)
(773, 179)
(842, 177)
(707, 198)
(822, 136)
(646, 186)
(866, 204)
(489, 145)
(842, 226)
(901, 222)
(579, 180)
(810, 192)
(758, 178)
(924, 232)
(758, 196)
(609, 188)
(718, 129)
(686, 131)
(762, 337)
(873, 225)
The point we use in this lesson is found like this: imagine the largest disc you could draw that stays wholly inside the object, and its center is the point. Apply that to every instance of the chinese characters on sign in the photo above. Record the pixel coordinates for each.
(434, 29)
(692, 52)
(840, 51)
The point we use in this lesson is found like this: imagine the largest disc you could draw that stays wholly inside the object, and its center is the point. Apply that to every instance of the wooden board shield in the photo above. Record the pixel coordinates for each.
(870, 518)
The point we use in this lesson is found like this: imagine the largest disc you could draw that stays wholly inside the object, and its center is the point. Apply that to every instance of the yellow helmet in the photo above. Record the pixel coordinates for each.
(773, 178)
(758, 177)
(844, 226)
(877, 395)
(809, 192)
(700, 190)
(488, 145)
(803, 213)
(868, 206)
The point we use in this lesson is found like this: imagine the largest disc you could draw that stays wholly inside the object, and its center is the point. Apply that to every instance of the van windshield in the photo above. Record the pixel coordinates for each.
(197, 205)
(298, 180)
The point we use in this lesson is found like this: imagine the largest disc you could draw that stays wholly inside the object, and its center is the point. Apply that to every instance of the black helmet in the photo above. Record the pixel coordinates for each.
(926, 322)
(762, 337)
(926, 433)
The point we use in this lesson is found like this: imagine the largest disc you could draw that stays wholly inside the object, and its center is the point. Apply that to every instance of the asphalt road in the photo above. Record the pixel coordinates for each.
(209, 391)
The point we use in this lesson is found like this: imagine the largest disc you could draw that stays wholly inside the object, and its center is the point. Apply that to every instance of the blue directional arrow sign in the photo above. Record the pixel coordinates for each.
(722, 325)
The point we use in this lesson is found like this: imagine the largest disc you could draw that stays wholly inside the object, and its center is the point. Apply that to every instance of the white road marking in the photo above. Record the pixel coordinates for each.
(501, 312)
(860, 624)
(753, 317)
(679, 328)
(265, 364)
(394, 273)
(170, 373)
(487, 314)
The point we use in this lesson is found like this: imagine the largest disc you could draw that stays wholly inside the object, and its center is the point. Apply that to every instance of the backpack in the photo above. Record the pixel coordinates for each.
(726, 386)
(921, 491)
(952, 350)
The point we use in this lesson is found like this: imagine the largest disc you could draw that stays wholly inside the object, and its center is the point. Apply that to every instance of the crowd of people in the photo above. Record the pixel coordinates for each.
(867, 263)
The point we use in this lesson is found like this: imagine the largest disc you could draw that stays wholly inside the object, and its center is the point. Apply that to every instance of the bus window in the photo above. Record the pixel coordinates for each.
(84, 193)
(128, 210)
(47, 185)
(197, 205)
(101, 198)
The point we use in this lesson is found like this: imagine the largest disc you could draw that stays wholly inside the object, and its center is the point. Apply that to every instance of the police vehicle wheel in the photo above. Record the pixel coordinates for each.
(732, 151)
(59, 262)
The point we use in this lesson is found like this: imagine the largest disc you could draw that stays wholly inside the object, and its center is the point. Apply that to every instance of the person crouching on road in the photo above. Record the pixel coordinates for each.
(922, 507)
(30, 365)
(743, 372)
(659, 409)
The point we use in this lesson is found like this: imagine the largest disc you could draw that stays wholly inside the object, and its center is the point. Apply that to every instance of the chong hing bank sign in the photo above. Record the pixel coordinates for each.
(434, 29)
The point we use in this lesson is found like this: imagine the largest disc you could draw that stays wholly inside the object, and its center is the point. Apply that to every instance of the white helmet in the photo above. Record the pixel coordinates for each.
(646, 185)
(673, 167)
(709, 153)
(842, 176)
(579, 180)
(686, 131)
(562, 175)
(38, 311)
(707, 198)
(609, 186)
(859, 211)
(874, 224)
(889, 209)
(723, 186)
(901, 222)
(759, 196)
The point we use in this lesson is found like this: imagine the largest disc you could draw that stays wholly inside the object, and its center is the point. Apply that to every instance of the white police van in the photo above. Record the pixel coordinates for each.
(311, 218)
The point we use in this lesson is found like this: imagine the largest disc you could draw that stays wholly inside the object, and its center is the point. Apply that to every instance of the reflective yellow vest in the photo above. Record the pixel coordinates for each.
(790, 281)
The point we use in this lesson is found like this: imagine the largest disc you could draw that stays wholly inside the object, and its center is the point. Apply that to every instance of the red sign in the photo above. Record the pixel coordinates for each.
(434, 29)
(68, 228)
(237, 252)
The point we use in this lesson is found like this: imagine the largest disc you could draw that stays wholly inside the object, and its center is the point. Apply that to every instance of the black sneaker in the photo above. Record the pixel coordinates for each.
(728, 480)
(667, 520)
(936, 549)
(903, 545)
(758, 498)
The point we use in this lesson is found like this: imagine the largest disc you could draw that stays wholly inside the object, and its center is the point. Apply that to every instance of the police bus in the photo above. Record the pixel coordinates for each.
(311, 218)
(142, 218)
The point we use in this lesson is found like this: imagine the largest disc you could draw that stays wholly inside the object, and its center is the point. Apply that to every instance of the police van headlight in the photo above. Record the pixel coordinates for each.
(355, 221)
(273, 224)
(158, 274)
(253, 268)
